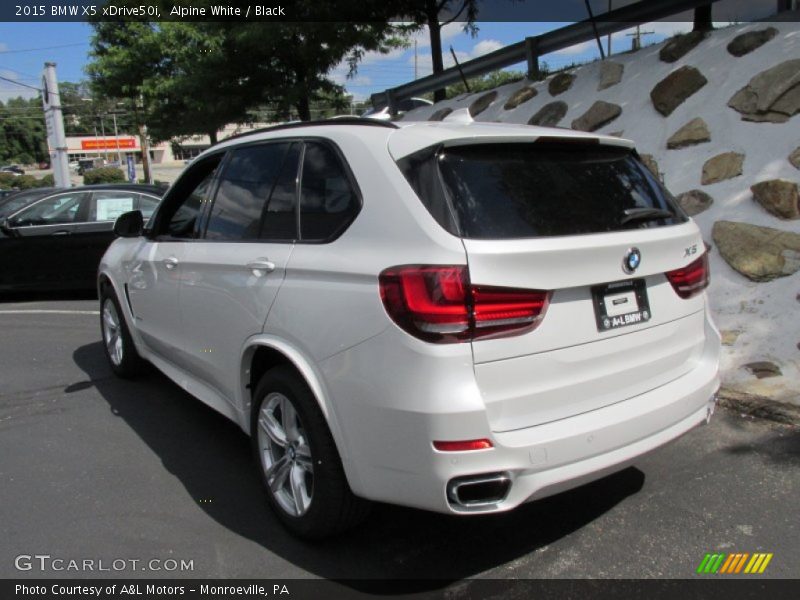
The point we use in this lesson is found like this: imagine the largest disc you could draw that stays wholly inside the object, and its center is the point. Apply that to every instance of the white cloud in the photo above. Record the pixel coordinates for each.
(479, 49)
(576, 49)
(485, 47)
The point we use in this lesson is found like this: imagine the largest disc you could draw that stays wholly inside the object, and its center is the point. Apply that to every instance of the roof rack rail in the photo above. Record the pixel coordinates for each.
(296, 124)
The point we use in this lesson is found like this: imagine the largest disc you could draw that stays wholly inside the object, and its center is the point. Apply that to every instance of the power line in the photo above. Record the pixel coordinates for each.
(43, 48)
(22, 84)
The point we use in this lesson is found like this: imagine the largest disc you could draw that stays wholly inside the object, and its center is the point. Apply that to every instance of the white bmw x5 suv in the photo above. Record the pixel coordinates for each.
(460, 317)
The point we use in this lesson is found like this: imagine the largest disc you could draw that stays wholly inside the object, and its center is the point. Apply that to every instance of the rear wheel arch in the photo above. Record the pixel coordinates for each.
(265, 354)
(262, 355)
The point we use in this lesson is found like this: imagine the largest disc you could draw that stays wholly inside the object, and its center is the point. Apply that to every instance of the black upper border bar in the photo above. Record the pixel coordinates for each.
(300, 11)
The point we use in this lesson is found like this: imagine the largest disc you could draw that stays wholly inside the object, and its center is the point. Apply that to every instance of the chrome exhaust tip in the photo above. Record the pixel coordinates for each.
(477, 492)
(710, 407)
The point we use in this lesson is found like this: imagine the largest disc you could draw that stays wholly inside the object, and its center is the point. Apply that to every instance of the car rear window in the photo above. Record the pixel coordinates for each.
(528, 190)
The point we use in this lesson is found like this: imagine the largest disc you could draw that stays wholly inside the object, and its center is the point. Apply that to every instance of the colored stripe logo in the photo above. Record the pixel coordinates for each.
(735, 563)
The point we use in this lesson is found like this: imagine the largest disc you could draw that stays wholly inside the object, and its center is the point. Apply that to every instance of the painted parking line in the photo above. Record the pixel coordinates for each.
(33, 311)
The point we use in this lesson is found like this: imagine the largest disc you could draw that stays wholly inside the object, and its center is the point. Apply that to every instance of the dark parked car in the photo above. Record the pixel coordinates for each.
(13, 200)
(5, 193)
(54, 238)
(12, 169)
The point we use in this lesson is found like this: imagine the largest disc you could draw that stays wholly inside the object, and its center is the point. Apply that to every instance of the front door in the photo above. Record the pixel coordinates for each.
(234, 272)
(156, 271)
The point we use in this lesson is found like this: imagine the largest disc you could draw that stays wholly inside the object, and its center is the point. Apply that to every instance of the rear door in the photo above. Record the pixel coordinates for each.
(232, 274)
(580, 221)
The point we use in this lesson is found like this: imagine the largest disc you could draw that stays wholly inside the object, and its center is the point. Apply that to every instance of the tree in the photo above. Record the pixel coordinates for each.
(702, 18)
(427, 12)
(85, 112)
(22, 131)
(195, 77)
(289, 63)
(125, 54)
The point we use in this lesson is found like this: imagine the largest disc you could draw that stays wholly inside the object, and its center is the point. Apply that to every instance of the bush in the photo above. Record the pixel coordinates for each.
(24, 159)
(47, 181)
(104, 175)
(7, 179)
(26, 182)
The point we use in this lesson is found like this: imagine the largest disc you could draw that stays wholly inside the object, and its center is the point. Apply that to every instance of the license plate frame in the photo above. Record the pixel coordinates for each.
(612, 300)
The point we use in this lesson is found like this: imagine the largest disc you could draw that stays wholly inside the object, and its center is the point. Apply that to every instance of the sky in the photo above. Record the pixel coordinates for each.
(25, 47)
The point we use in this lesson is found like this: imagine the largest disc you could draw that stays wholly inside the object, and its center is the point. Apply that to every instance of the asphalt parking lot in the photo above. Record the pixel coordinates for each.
(92, 467)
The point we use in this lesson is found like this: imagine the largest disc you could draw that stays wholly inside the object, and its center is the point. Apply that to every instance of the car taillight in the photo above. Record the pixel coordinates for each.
(439, 304)
(463, 446)
(691, 279)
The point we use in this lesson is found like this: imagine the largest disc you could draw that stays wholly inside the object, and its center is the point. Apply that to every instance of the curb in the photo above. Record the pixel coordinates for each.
(759, 407)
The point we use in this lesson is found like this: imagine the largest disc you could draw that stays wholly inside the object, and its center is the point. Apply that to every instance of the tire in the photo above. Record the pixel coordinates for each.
(296, 453)
(117, 342)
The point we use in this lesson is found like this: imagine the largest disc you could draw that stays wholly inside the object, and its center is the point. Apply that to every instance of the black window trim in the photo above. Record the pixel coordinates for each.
(153, 234)
(303, 141)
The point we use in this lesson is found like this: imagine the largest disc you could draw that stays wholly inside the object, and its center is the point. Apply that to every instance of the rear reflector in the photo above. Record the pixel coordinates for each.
(439, 304)
(463, 446)
(691, 279)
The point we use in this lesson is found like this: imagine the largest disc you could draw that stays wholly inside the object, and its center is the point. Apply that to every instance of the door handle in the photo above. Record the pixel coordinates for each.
(261, 266)
(170, 262)
(62, 232)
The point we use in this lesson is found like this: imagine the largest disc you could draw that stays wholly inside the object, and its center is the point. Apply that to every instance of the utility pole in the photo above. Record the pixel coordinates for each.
(116, 138)
(636, 41)
(143, 142)
(103, 143)
(54, 119)
(608, 41)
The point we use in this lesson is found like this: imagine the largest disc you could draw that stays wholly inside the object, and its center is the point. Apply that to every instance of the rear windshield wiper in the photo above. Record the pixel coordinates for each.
(644, 214)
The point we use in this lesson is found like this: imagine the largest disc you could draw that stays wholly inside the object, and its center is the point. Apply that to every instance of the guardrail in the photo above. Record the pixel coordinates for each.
(530, 49)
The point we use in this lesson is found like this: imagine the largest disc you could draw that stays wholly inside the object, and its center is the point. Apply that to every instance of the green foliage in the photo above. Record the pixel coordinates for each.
(7, 179)
(486, 82)
(26, 182)
(86, 113)
(191, 78)
(22, 132)
(104, 175)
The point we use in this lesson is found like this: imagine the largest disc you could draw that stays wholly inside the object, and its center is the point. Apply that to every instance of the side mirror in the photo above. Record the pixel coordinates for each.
(5, 226)
(129, 224)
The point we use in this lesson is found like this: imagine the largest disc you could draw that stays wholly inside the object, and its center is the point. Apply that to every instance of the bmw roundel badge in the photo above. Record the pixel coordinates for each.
(632, 260)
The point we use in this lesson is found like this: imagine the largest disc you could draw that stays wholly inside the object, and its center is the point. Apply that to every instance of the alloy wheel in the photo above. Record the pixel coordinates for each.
(285, 454)
(112, 333)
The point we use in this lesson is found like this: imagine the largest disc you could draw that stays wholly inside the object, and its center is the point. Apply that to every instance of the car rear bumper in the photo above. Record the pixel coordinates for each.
(397, 463)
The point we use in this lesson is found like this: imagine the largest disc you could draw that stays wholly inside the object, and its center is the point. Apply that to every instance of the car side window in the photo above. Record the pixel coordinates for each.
(182, 207)
(56, 210)
(280, 220)
(147, 205)
(328, 200)
(108, 205)
(245, 186)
